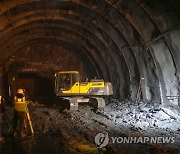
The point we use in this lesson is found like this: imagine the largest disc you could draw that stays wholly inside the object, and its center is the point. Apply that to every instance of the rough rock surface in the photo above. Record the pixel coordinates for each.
(74, 132)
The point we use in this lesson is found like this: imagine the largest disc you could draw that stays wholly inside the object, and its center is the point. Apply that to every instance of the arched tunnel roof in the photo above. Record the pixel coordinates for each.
(121, 40)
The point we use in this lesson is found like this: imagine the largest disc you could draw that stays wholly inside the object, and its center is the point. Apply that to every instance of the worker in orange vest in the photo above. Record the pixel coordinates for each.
(20, 109)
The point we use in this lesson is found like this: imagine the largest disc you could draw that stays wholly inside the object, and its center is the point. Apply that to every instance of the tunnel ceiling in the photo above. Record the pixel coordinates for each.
(119, 40)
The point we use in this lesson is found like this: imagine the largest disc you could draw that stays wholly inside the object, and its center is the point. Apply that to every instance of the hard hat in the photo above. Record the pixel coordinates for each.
(20, 91)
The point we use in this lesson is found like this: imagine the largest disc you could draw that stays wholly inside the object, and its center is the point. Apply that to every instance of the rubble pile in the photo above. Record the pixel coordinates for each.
(143, 115)
(74, 132)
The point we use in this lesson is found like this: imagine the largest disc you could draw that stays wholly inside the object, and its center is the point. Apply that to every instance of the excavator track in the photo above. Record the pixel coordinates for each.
(72, 104)
(97, 102)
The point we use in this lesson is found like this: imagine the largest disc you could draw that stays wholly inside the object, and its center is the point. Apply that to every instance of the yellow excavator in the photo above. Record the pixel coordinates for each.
(69, 87)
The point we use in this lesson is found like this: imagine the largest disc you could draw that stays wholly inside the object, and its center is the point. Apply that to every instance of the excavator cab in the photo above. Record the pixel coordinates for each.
(65, 80)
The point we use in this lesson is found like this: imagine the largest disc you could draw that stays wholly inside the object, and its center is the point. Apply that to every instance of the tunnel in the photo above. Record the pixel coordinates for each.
(133, 44)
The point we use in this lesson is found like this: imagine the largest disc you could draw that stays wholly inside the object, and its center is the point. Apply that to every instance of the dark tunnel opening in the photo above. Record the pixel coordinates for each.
(36, 85)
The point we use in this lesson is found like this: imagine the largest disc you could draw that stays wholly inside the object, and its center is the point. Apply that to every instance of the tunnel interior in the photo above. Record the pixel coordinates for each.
(133, 44)
(116, 40)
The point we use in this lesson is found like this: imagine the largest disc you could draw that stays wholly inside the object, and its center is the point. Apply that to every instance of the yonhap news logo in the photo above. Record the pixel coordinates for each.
(102, 140)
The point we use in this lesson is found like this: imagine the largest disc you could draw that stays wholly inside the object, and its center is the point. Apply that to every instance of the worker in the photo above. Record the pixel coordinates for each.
(67, 79)
(20, 110)
(2, 106)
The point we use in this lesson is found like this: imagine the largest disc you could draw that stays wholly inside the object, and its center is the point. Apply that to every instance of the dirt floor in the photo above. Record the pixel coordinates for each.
(74, 132)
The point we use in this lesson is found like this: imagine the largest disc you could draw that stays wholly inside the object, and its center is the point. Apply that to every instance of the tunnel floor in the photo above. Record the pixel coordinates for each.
(74, 132)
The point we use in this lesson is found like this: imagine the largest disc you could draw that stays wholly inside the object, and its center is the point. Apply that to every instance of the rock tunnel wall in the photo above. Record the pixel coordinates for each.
(118, 40)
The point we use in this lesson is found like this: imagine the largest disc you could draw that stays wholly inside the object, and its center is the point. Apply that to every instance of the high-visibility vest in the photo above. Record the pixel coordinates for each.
(20, 104)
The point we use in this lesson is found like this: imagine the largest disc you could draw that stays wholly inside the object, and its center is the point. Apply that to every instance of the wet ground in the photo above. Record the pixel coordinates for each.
(66, 133)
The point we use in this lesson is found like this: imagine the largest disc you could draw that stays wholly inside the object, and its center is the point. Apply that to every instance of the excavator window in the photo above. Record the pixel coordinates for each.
(75, 78)
(64, 81)
(67, 80)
